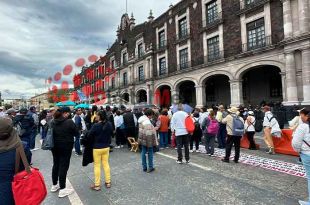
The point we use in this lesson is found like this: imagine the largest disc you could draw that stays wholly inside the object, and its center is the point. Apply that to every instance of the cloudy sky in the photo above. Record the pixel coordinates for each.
(38, 38)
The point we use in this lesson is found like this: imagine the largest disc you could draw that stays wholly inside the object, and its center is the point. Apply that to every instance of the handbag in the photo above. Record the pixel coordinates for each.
(28, 186)
(48, 141)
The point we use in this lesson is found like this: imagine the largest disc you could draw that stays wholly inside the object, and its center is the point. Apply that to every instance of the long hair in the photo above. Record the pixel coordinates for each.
(57, 114)
(212, 114)
(103, 116)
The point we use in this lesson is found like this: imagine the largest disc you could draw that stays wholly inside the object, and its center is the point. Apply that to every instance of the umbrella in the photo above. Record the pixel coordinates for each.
(82, 105)
(186, 108)
(65, 103)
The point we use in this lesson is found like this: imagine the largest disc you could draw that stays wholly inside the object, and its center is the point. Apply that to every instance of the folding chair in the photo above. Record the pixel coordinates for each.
(134, 144)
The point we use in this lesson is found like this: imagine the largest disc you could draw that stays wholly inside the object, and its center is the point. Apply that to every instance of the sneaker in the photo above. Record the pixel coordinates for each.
(197, 150)
(267, 150)
(175, 148)
(55, 188)
(191, 151)
(179, 162)
(122, 146)
(151, 170)
(188, 161)
(167, 147)
(161, 148)
(65, 192)
(78, 154)
(271, 151)
(117, 147)
(145, 170)
(225, 160)
(212, 155)
(303, 202)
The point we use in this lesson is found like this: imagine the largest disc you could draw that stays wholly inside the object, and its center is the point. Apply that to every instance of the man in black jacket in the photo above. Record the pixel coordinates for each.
(130, 122)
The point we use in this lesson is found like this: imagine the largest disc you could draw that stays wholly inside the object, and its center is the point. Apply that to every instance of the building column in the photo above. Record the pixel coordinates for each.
(304, 19)
(291, 83)
(132, 96)
(305, 55)
(200, 96)
(287, 18)
(175, 97)
(148, 89)
(236, 96)
(147, 69)
(283, 80)
(151, 67)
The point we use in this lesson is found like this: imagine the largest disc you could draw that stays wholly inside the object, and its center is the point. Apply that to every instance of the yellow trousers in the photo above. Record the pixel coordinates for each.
(101, 156)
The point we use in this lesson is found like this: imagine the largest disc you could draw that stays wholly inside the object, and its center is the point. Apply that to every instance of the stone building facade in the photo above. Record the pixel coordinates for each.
(205, 52)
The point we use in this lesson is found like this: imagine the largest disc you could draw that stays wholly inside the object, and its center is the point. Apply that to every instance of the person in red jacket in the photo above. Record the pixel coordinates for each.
(163, 128)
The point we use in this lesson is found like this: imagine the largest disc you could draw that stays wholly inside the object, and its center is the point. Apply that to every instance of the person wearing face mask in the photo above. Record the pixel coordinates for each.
(64, 131)
(301, 144)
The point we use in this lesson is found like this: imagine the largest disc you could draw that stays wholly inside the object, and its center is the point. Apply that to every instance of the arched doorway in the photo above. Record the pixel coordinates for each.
(125, 97)
(141, 96)
(262, 84)
(217, 89)
(187, 93)
(162, 96)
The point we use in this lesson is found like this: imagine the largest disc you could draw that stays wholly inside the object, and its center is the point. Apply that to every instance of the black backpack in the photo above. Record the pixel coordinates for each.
(197, 124)
(258, 125)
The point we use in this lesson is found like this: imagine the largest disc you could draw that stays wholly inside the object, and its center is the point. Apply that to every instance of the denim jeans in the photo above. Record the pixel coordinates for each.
(221, 136)
(210, 139)
(77, 145)
(33, 138)
(305, 158)
(163, 139)
(150, 157)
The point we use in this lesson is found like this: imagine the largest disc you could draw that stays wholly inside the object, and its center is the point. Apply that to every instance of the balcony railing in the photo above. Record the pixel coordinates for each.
(212, 21)
(213, 56)
(249, 4)
(257, 44)
(183, 34)
(141, 54)
(183, 66)
(162, 45)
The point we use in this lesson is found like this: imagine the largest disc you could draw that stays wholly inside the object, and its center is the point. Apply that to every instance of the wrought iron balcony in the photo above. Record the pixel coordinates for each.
(183, 34)
(213, 56)
(257, 44)
(215, 20)
(250, 4)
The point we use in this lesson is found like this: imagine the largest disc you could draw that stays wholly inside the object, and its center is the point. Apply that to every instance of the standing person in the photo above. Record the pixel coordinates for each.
(32, 112)
(182, 138)
(204, 114)
(147, 139)
(9, 141)
(222, 134)
(26, 123)
(268, 123)
(119, 129)
(2, 113)
(235, 130)
(130, 122)
(94, 110)
(64, 131)
(81, 126)
(163, 128)
(301, 144)
(249, 125)
(87, 119)
(210, 127)
(196, 136)
(101, 132)
(11, 113)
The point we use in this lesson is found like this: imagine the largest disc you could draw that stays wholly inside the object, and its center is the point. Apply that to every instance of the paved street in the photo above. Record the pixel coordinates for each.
(205, 181)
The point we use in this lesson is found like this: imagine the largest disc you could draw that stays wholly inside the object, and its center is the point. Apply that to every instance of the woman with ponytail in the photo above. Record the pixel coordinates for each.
(301, 144)
(101, 132)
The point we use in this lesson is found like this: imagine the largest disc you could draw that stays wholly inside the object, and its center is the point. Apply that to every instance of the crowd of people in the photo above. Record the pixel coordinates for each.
(90, 132)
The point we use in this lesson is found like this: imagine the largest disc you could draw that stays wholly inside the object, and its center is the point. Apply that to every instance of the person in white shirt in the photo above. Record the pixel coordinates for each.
(2, 113)
(182, 138)
(119, 129)
(249, 126)
(301, 144)
(203, 115)
(80, 123)
(271, 127)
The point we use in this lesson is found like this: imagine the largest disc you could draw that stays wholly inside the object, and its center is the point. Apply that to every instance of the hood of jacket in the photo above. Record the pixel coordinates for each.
(59, 120)
(143, 119)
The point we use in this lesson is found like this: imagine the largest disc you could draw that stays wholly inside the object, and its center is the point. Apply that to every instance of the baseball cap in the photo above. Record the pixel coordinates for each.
(1, 108)
(23, 110)
(10, 111)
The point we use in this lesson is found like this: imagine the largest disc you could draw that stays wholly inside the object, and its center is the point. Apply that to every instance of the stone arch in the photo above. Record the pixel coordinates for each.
(241, 71)
(163, 84)
(178, 82)
(213, 73)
